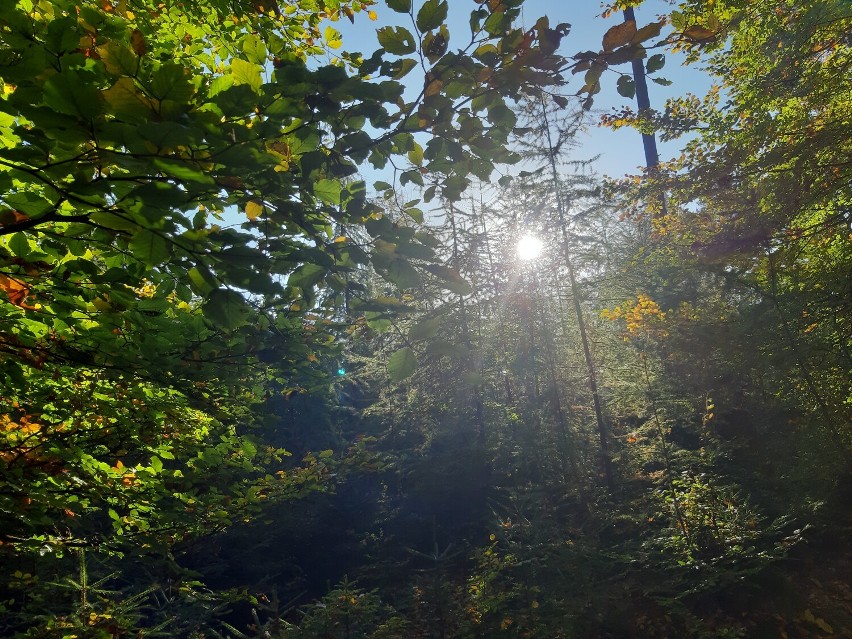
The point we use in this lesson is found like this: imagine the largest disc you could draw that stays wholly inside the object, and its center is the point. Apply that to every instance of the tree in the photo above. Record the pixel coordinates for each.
(177, 180)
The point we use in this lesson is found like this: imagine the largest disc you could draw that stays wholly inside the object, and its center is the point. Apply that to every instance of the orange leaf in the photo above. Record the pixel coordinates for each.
(137, 42)
(699, 34)
(16, 290)
(433, 88)
(619, 35)
(12, 217)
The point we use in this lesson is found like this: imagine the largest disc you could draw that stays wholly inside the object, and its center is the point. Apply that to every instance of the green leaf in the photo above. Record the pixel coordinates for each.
(400, 6)
(402, 364)
(328, 191)
(405, 66)
(442, 348)
(226, 309)
(113, 221)
(432, 15)
(415, 155)
(171, 82)
(662, 81)
(626, 86)
(655, 63)
(413, 175)
(201, 280)
(184, 171)
(118, 59)
(496, 23)
(156, 464)
(396, 40)
(248, 448)
(451, 279)
(401, 273)
(150, 248)
(255, 49)
(126, 102)
(415, 214)
(377, 321)
(19, 244)
(28, 203)
(425, 329)
(306, 275)
(247, 73)
(73, 93)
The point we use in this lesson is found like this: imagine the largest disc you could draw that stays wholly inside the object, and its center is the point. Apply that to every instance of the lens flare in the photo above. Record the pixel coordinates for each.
(529, 247)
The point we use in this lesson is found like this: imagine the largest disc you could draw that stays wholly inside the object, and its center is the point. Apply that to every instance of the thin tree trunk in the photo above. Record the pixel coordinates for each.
(603, 436)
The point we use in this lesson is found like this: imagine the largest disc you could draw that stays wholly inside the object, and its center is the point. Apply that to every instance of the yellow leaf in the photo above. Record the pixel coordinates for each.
(253, 210)
(340, 240)
(372, 15)
(823, 625)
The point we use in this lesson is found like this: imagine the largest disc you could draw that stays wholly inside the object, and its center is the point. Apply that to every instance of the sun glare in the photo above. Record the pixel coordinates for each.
(529, 247)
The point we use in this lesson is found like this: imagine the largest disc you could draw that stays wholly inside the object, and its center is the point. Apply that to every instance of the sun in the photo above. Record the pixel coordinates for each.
(529, 247)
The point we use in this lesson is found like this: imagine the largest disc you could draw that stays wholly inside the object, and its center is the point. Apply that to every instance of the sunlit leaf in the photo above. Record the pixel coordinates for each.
(619, 35)
(396, 40)
(432, 14)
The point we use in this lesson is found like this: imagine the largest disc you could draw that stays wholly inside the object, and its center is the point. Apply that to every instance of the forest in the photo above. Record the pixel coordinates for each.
(304, 342)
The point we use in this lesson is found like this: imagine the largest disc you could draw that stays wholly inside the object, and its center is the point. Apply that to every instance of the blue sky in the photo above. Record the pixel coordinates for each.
(620, 151)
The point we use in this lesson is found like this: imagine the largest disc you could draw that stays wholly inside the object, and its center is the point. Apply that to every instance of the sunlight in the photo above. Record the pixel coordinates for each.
(529, 247)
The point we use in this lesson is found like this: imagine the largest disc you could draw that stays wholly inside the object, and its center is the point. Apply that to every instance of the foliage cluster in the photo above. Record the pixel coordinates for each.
(235, 379)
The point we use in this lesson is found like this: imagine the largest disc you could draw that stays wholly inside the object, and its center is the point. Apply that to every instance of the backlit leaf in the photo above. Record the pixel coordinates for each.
(402, 364)
(400, 6)
(328, 191)
(254, 209)
(432, 15)
(425, 329)
(396, 40)
(401, 273)
(150, 247)
(226, 309)
(450, 279)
